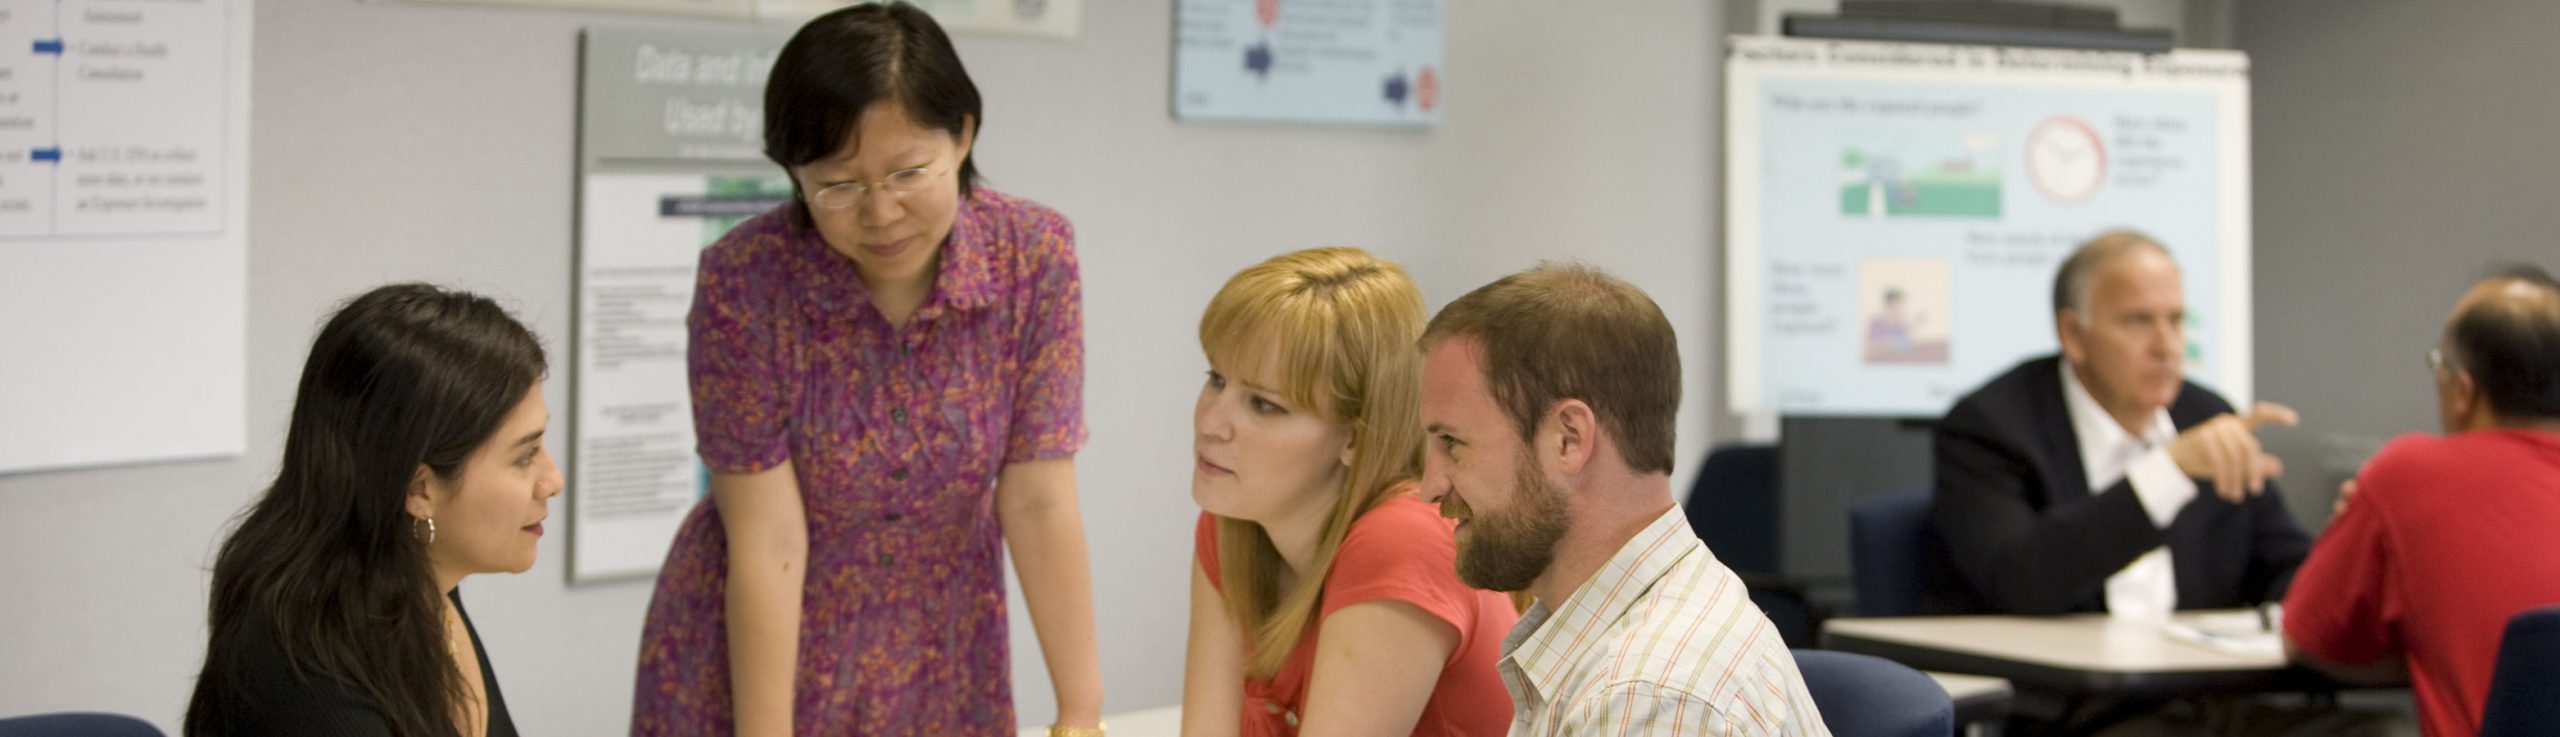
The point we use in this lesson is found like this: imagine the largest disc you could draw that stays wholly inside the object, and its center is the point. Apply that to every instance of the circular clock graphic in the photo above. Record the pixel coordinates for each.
(2066, 159)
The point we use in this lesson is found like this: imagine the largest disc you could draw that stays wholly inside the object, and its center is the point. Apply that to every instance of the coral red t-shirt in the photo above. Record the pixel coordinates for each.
(2445, 540)
(1401, 550)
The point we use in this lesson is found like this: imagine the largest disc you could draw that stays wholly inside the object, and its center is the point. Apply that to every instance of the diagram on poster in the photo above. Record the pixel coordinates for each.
(1319, 61)
(1052, 18)
(1896, 212)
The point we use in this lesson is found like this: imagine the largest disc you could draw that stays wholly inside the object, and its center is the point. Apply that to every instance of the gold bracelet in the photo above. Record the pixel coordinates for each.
(1061, 730)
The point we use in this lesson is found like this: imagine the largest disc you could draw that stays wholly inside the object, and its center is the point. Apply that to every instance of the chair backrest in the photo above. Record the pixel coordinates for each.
(1868, 696)
(77, 724)
(1733, 506)
(2524, 692)
(1898, 564)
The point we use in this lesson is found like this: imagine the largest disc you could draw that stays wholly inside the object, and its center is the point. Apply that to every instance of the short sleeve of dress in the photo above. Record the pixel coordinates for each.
(1401, 551)
(732, 356)
(1048, 397)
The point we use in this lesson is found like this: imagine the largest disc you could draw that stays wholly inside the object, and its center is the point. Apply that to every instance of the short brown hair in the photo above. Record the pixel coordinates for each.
(1568, 331)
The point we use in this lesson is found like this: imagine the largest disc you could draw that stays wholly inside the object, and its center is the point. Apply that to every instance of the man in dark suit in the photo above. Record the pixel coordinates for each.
(2102, 480)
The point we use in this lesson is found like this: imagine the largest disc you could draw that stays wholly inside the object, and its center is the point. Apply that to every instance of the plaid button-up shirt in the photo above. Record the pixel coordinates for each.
(1661, 641)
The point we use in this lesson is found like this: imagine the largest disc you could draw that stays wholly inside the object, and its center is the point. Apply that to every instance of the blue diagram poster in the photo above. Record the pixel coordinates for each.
(1896, 212)
(1370, 62)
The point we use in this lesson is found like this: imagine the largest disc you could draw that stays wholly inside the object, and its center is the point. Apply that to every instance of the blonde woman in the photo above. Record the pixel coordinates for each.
(1324, 592)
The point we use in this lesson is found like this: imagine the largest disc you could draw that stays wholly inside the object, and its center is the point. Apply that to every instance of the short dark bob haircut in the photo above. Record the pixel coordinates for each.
(842, 63)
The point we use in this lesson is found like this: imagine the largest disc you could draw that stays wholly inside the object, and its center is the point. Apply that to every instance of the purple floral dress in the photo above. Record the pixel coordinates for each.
(897, 435)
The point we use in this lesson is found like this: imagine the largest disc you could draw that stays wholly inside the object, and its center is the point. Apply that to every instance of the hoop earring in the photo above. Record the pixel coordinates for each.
(430, 536)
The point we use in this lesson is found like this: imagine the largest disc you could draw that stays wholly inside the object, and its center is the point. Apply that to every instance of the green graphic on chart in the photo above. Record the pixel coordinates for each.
(1879, 183)
(758, 187)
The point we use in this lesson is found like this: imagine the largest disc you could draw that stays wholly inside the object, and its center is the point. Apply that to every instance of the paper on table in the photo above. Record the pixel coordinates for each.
(2238, 633)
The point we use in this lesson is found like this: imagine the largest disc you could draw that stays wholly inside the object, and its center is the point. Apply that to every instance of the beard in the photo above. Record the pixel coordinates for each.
(1507, 550)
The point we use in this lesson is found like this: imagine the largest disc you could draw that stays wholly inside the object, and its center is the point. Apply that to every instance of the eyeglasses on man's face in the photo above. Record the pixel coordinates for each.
(848, 194)
(2437, 362)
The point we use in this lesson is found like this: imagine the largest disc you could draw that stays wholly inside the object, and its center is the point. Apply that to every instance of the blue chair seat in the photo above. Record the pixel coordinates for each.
(1868, 696)
(1897, 562)
(77, 724)
(2524, 692)
(1733, 506)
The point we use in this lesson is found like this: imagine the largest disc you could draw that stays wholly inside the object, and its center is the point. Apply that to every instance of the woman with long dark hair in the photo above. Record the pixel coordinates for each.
(414, 458)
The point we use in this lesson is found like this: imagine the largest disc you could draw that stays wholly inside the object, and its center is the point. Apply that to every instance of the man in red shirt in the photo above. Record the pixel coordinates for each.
(2448, 537)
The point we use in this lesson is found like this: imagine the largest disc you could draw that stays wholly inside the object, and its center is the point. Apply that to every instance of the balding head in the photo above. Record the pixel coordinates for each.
(2502, 352)
(2071, 284)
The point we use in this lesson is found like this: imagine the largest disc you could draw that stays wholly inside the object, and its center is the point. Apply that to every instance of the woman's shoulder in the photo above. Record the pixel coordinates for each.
(271, 695)
(761, 242)
(1024, 235)
(250, 648)
(1014, 211)
(1400, 528)
(1403, 511)
(1402, 550)
(744, 274)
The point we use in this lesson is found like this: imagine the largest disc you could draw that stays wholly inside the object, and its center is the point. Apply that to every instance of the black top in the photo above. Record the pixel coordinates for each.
(2014, 506)
(279, 702)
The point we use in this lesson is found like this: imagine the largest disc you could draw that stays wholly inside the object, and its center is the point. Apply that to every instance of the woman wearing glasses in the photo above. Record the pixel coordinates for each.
(887, 386)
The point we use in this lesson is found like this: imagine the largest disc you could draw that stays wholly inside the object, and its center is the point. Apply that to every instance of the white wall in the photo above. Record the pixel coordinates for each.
(395, 141)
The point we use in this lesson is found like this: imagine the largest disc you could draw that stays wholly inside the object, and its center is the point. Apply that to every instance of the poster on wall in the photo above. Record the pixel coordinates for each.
(1309, 61)
(1049, 18)
(670, 125)
(124, 155)
(1895, 213)
(715, 8)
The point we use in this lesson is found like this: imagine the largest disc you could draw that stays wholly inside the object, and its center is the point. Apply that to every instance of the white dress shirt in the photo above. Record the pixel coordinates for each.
(2147, 588)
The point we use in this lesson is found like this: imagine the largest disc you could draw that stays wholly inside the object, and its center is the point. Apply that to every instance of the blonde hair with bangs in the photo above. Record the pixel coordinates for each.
(1344, 323)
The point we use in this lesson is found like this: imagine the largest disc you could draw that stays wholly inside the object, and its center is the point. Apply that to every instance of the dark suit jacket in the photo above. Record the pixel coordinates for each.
(2019, 519)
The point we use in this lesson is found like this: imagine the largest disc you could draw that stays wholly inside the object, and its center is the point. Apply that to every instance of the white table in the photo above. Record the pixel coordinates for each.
(1982, 702)
(2082, 654)
(1162, 721)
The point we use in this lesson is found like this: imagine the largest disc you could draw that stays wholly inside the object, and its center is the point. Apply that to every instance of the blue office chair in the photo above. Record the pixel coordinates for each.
(1868, 696)
(77, 724)
(1733, 506)
(1899, 566)
(2524, 692)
